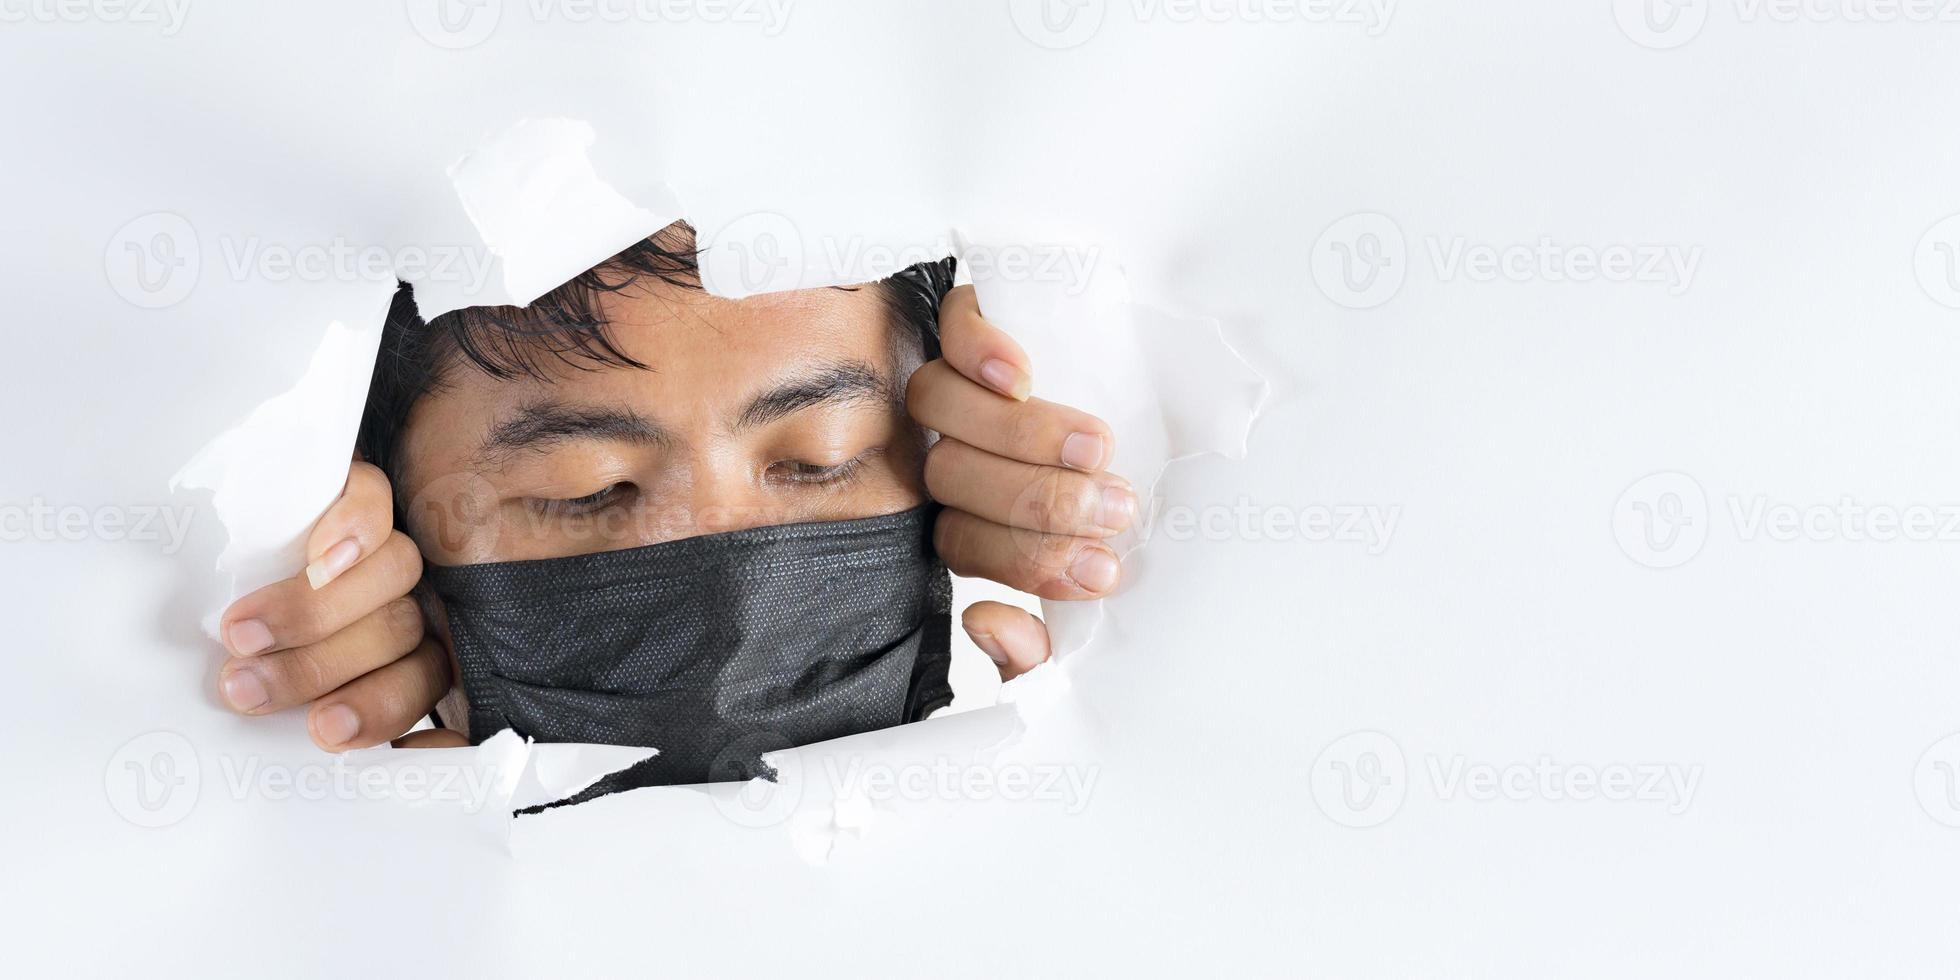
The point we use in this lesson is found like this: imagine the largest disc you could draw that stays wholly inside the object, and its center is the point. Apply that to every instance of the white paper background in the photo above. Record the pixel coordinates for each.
(1806, 362)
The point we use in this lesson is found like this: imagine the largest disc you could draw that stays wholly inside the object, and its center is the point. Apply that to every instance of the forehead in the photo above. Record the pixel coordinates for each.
(699, 350)
(662, 326)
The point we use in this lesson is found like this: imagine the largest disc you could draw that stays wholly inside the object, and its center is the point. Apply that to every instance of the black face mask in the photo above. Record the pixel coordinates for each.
(711, 649)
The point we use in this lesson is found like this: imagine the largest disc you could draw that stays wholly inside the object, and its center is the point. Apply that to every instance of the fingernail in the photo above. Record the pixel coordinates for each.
(244, 688)
(1083, 450)
(248, 636)
(336, 724)
(990, 646)
(1119, 508)
(1095, 570)
(328, 567)
(1006, 378)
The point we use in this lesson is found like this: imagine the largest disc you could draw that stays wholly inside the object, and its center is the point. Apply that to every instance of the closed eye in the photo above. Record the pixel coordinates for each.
(806, 473)
(590, 503)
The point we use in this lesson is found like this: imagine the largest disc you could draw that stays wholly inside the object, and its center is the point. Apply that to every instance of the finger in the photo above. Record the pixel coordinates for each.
(381, 704)
(1042, 498)
(1013, 638)
(432, 738)
(1052, 566)
(292, 613)
(355, 525)
(277, 681)
(1033, 431)
(979, 350)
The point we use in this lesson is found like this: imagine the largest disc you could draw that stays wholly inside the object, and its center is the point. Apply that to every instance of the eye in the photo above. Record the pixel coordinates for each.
(800, 471)
(590, 503)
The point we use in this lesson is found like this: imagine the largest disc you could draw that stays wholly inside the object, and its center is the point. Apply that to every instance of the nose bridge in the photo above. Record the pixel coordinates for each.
(726, 494)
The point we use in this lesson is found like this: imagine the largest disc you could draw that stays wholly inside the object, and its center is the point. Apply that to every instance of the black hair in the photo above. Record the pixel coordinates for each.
(564, 325)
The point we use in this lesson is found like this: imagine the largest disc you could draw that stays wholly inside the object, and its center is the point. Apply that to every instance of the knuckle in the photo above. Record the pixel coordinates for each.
(297, 676)
(391, 700)
(432, 666)
(403, 560)
(308, 620)
(391, 709)
(415, 690)
(1056, 551)
(949, 535)
(1041, 558)
(1058, 500)
(942, 458)
(403, 619)
(1027, 433)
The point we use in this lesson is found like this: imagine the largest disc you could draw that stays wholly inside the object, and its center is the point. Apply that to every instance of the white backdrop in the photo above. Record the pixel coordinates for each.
(1580, 607)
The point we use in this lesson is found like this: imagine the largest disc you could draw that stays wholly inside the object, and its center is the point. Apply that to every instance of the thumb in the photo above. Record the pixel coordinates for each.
(1013, 638)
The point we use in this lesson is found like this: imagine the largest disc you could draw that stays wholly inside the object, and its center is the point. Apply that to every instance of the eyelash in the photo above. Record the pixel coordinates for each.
(811, 474)
(793, 471)
(591, 503)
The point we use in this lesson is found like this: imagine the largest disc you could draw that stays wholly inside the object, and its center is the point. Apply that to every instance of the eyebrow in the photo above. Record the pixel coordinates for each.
(543, 423)
(540, 424)
(847, 381)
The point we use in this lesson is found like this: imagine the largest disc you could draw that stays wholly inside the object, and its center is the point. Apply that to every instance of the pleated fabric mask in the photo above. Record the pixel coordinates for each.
(711, 649)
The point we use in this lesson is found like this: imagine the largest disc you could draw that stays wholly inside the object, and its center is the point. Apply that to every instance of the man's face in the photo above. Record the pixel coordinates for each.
(777, 409)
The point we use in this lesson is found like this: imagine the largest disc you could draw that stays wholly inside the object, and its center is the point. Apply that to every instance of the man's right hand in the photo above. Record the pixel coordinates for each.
(344, 636)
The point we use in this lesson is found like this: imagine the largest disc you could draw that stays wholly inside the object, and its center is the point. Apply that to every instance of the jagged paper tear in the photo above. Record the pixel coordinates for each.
(273, 474)
(532, 194)
(1168, 386)
(505, 773)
